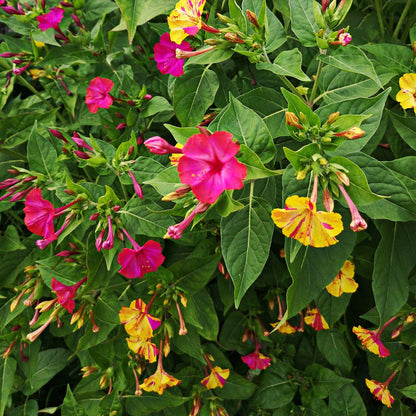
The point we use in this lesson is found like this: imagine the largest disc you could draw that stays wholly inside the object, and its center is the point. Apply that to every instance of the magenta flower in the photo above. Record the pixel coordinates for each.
(159, 146)
(137, 188)
(138, 261)
(51, 19)
(256, 360)
(209, 165)
(165, 55)
(66, 294)
(98, 94)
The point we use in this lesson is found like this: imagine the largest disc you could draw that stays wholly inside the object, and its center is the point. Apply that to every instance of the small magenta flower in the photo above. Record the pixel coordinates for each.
(345, 38)
(165, 55)
(256, 360)
(108, 244)
(98, 94)
(140, 260)
(51, 20)
(81, 143)
(66, 294)
(137, 188)
(357, 223)
(210, 167)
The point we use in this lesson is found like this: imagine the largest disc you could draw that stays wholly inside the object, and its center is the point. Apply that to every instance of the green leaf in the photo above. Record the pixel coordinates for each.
(237, 387)
(237, 15)
(225, 204)
(303, 21)
(392, 266)
(406, 127)
(368, 106)
(403, 170)
(212, 57)
(398, 206)
(190, 343)
(255, 167)
(331, 307)
(166, 181)
(248, 128)
(150, 403)
(70, 407)
(333, 346)
(347, 401)
(181, 134)
(193, 274)
(409, 391)
(193, 93)
(324, 381)
(232, 330)
(49, 363)
(245, 240)
(10, 241)
(297, 159)
(314, 268)
(205, 315)
(352, 59)
(138, 12)
(275, 389)
(396, 57)
(41, 154)
(8, 370)
(287, 63)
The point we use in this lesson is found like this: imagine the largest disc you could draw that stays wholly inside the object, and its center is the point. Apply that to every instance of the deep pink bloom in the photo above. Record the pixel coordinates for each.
(138, 261)
(159, 146)
(51, 19)
(81, 142)
(66, 294)
(256, 360)
(108, 244)
(136, 186)
(209, 165)
(98, 94)
(165, 55)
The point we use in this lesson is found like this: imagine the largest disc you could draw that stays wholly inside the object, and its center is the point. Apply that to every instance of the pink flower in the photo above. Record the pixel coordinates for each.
(357, 221)
(98, 94)
(137, 188)
(256, 360)
(140, 260)
(165, 55)
(159, 146)
(51, 19)
(66, 294)
(209, 165)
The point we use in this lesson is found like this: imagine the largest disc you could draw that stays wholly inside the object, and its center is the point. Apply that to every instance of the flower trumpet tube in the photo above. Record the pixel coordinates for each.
(357, 223)
(108, 244)
(137, 188)
(182, 54)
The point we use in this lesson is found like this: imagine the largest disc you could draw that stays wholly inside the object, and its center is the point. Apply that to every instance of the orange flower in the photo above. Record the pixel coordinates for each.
(216, 378)
(315, 319)
(344, 281)
(143, 347)
(407, 95)
(300, 220)
(380, 390)
(137, 322)
(160, 380)
(371, 341)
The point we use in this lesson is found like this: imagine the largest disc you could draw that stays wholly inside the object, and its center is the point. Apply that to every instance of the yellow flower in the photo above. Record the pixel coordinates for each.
(216, 378)
(160, 380)
(38, 73)
(344, 281)
(143, 347)
(407, 95)
(380, 391)
(174, 158)
(300, 220)
(137, 322)
(39, 44)
(371, 340)
(286, 328)
(315, 319)
(185, 19)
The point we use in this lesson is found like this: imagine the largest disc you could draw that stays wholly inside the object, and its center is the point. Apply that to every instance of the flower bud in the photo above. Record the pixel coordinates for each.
(345, 39)
(252, 18)
(292, 120)
(160, 146)
(325, 4)
(352, 133)
(301, 174)
(233, 38)
(332, 118)
(224, 19)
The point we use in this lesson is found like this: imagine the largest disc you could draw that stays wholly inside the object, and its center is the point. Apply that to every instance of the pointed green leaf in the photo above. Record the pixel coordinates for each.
(347, 402)
(245, 239)
(8, 369)
(303, 21)
(392, 266)
(406, 127)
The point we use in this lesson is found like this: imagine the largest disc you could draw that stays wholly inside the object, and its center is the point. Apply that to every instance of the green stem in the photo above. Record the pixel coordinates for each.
(315, 84)
(402, 17)
(409, 24)
(379, 11)
(39, 95)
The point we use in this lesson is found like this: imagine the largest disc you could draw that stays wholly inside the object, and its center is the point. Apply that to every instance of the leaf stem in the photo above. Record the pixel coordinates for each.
(318, 74)
(402, 17)
(379, 11)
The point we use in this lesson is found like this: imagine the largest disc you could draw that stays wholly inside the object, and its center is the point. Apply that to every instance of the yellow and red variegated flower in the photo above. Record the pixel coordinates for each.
(256, 360)
(371, 341)
(380, 391)
(185, 19)
(143, 347)
(314, 319)
(159, 381)
(285, 328)
(137, 322)
(300, 220)
(216, 378)
(344, 281)
(407, 95)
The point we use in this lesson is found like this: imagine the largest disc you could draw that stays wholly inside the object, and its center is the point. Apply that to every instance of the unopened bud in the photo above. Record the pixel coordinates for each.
(211, 42)
(332, 118)
(396, 332)
(233, 38)
(410, 318)
(328, 201)
(160, 146)
(352, 133)
(343, 177)
(325, 4)
(95, 216)
(301, 174)
(224, 19)
(252, 18)
(414, 48)
(292, 120)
